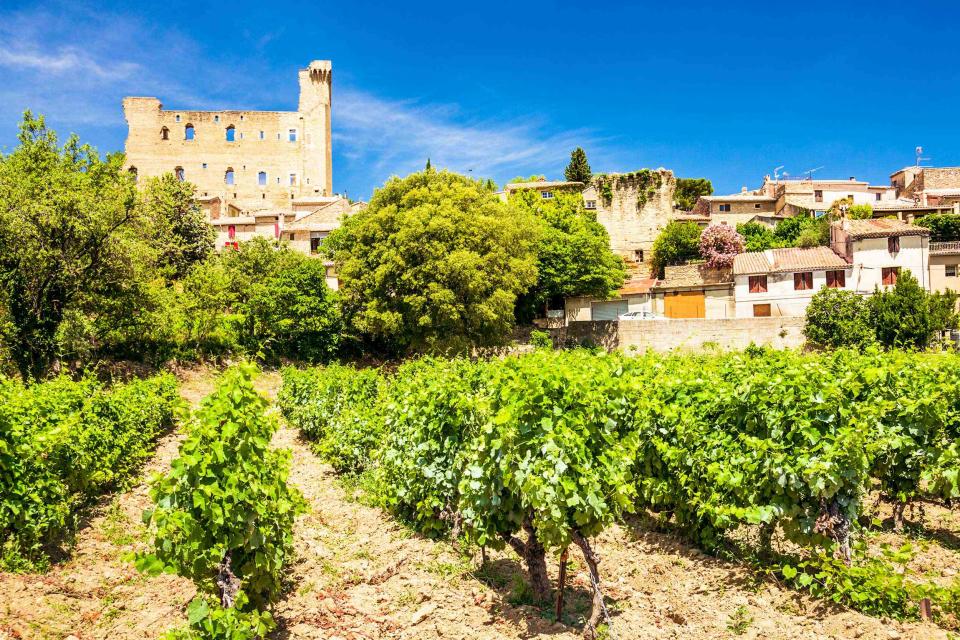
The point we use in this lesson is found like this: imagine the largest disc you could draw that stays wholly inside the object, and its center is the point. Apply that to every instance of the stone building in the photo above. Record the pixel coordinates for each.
(257, 173)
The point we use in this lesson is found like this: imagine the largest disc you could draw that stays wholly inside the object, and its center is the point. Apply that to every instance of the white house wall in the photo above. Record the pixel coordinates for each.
(783, 299)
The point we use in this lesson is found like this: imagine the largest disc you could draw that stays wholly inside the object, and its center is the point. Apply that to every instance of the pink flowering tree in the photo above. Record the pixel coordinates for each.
(719, 244)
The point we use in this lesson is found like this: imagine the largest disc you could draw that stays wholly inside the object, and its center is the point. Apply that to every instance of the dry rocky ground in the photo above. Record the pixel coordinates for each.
(359, 574)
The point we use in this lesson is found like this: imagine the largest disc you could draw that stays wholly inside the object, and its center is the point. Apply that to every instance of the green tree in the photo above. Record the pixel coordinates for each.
(579, 169)
(677, 243)
(573, 252)
(183, 235)
(789, 230)
(860, 212)
(908, 317)
(294, 314)
(435, 262)
(758, 237)
(944, 227)
(68, 239)
(838, 318)
(689, 190)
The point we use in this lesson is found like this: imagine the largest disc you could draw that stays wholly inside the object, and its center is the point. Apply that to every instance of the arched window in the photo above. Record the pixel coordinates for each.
(262, 178)
(133, 172)
(231, 133)
(179, 173)
(164, 134)
(188, 132)
(228, 176)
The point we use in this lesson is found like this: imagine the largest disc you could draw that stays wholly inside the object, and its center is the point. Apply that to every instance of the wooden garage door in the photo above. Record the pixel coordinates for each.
(609, 310)
(684, 304)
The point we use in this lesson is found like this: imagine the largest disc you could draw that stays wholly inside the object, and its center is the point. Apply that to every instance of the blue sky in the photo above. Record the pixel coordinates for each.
(726, 91)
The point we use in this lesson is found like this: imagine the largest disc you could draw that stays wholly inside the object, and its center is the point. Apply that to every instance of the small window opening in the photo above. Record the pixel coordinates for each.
(292, 135)
(179, 173)
(231, 133)
(177, 117)
(262, 178)
(293, 179)
(216, 118)
(164, 134)
(228, 176)
(188, 132)
(261, 135)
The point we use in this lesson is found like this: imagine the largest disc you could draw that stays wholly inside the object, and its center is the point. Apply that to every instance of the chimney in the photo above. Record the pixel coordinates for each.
(852, 178)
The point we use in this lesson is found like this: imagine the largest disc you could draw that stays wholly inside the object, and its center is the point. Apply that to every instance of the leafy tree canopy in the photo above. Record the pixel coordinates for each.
(688, 190)
(67, 239)
(573, 251)
(435, 262)
(838, 318)
(579, 169)
(677, 243)
(908, 317)
(944, 227)
(183, 235)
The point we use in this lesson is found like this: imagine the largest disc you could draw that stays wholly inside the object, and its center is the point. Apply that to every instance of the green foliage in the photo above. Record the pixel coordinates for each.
(789, 230)
(645, 181)
(877, 584)
(909, 317)
(435, 408)
(293, 313)
(435, 262)
(860, 212)
(944, 227)
(573, 251)
(758, 237)
(225, 505)
(838, 318)
(68, 226)
(558, 445)
(541, 340)
(183, 235)
(62, 444)
(677, 243)
(579, 169)
(339, 408)
(689, 190)
(208, 620)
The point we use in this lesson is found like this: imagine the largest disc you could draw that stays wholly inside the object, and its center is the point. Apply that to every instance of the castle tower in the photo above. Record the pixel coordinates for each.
(314, 110)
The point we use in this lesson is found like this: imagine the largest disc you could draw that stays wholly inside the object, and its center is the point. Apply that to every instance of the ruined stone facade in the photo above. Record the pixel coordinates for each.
(249, 159)
(634, 208)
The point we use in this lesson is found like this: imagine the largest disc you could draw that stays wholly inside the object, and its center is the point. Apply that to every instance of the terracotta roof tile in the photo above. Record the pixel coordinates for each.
(881, 228)
(787, 260)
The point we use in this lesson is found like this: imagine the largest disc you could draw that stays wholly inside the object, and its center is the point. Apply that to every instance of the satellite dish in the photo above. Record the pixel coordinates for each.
(919, 151)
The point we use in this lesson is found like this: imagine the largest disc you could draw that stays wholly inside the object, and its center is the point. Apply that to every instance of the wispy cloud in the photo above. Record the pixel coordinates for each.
(67, 60)
(397, 136)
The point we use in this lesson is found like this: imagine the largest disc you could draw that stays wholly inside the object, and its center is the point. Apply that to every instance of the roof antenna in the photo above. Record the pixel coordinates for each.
(776, 174)
(809, 172)
(919, 152)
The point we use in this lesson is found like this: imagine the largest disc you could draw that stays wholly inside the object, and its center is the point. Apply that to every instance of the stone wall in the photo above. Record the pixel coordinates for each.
(940, 178)
(639, 206)
(690, 334)
(157, 143)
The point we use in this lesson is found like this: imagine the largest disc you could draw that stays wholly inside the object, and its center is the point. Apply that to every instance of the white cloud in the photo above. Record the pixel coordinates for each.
(395, 136)
(67, 60)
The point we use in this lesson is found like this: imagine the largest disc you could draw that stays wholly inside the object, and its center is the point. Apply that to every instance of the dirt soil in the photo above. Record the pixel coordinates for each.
(357, 573)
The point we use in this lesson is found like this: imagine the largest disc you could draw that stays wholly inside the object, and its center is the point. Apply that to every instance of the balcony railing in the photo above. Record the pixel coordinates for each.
(944, 248)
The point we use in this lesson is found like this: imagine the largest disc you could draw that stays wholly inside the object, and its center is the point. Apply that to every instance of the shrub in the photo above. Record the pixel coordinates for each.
(677, 243)
(719, 245)
(541, 340)
(340, 409)
(909, 317)
(223, 516)
(944, 227)
(62, 443)
(838, 318)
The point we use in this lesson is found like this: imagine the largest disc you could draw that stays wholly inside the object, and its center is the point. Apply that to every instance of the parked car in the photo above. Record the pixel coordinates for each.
(639, 315)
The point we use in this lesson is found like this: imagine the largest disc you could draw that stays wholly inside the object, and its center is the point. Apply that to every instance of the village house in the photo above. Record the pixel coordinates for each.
(863, 255)
(256, 173)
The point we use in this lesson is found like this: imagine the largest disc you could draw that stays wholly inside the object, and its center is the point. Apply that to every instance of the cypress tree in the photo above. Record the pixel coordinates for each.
(579, 169)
